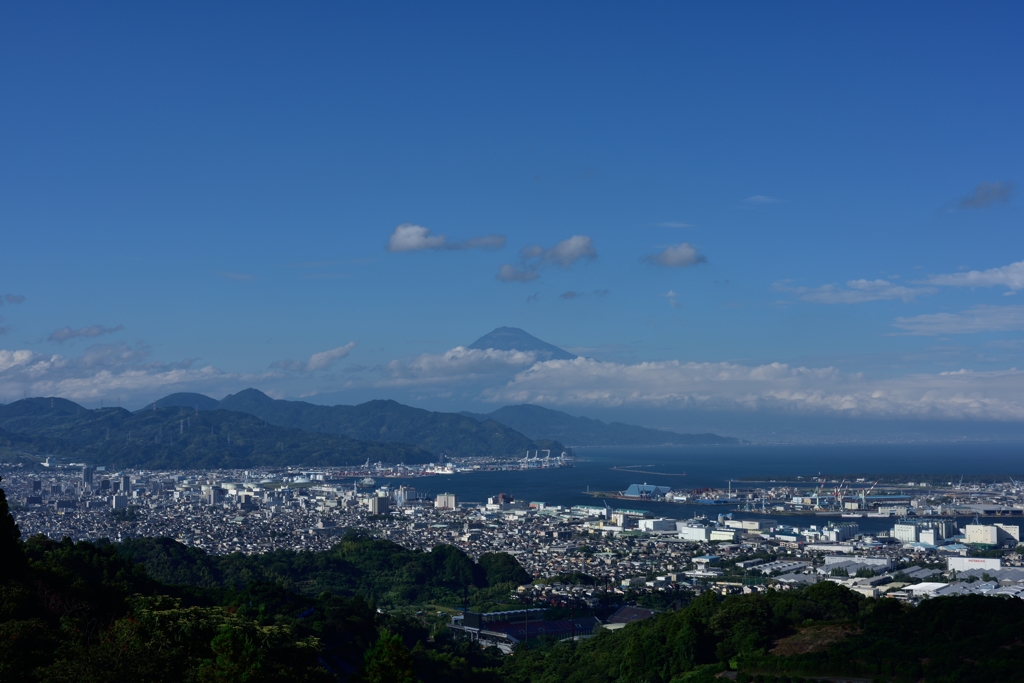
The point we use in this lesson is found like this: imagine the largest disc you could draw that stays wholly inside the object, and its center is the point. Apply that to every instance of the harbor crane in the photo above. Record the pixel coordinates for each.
(864, 495)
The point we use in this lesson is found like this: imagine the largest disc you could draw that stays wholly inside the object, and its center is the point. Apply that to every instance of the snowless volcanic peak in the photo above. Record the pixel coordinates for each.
(515, 339)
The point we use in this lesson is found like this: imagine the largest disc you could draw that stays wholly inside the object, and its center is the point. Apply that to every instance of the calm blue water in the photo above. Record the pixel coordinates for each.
(713, 466)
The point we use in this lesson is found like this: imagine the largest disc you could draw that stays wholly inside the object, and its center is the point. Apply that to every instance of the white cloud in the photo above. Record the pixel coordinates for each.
(977, 319)
(325, 359)
(565, 254)
(568, 252)
(1011, 276)
(761, 199)
(66, 333)
(856, 292)
(318, 361)
(410, 237)
(677, 256)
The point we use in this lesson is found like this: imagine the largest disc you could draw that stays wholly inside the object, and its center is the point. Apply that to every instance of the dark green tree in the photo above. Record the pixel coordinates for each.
(502, 568)
(388, 661)
(12, 558)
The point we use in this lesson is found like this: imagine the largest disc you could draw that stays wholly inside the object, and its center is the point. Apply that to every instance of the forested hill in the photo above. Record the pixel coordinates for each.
(177, 437)
(387, 421)
(543, 423)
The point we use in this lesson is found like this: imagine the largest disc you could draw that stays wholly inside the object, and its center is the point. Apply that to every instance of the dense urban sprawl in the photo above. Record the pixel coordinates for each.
(621, 550)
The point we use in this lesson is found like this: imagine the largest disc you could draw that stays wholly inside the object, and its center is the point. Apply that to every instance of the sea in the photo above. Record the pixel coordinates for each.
(693, 467)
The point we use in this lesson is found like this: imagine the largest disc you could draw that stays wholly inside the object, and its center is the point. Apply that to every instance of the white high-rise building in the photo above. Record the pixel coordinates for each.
(446, 501)
(906, 533)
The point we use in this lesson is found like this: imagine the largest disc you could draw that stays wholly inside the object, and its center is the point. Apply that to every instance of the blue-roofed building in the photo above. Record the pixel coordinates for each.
(646, 491)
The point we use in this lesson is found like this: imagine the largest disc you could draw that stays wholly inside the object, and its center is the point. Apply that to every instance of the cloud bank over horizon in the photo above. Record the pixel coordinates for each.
(489, 376)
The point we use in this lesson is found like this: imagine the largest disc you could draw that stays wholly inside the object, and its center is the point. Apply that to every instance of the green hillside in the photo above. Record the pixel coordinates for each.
(176, 437)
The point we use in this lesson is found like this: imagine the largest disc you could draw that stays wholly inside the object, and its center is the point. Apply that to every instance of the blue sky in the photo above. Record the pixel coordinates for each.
(779, 205)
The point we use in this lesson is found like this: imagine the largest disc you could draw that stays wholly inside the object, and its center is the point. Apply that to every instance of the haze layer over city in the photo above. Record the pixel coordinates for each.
(414, 342)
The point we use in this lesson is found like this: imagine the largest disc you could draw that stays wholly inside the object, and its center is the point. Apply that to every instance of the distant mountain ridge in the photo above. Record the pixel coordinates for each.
(180, 437)
(381, 420)
(185, 400)
(515, 339)
(543, 423)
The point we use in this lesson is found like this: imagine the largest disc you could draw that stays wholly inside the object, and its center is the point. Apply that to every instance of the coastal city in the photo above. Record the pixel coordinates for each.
(936, 544)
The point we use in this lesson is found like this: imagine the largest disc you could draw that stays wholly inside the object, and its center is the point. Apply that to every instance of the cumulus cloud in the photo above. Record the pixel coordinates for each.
(570, 295)
(677, 256)
(977, 319)
(410, 237)
(318, 361)
(12, 299)
(673, 298)
(856, 292)
(567, 252)
(325, 359)
(987, 194)
(1011, 277)
(65, 333)
(761, 199)
(532, 258)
